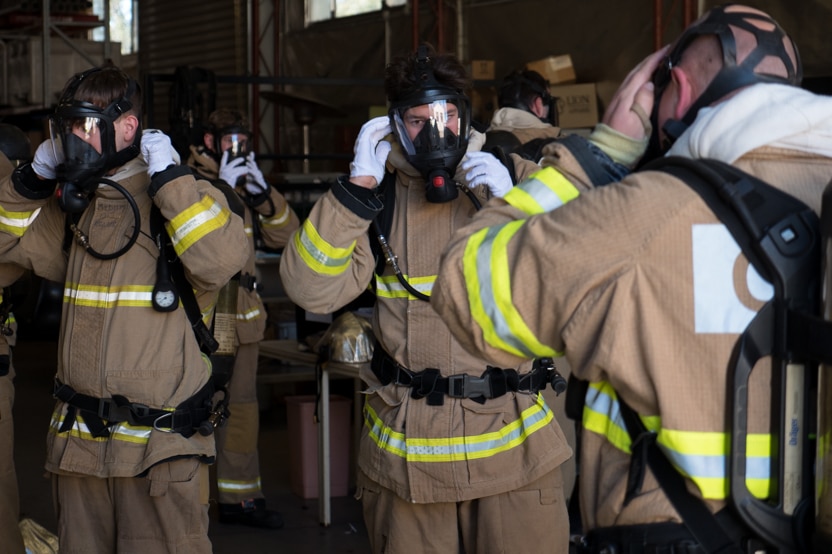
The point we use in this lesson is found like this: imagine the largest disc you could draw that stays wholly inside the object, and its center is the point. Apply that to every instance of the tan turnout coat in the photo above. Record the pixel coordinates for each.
(112, 342)
(402, 436)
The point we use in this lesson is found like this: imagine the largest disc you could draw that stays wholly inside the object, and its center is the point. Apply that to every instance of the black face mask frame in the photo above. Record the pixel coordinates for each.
(239, 149)
(83, 167)
(437, 150)
(731, 77)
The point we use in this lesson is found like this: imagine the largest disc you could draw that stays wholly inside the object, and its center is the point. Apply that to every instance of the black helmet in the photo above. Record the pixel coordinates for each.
(440, 144)
(771, 41)
(15, 144)
(519, 90)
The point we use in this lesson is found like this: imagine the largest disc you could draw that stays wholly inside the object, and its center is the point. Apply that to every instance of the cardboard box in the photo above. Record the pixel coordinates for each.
(577, 105)
(555, 69)
(482, 70)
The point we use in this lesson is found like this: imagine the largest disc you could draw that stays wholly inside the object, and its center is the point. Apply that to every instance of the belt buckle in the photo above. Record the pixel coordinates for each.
(469, 387)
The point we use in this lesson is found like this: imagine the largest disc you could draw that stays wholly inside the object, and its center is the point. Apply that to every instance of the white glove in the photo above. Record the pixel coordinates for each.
(47, 159)
(158, 151)
(370, 151)
(255, 183)
(232, 171)
(483, 168)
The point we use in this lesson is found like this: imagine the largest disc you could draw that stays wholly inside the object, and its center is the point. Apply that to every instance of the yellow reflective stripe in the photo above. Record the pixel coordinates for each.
(195, 222)
(601, 415)
(108, 297)
(456, 449)
(249, 231)
(486, 270)
(230, 486)
(542, 192)
(319, 255)
(700, 456)
(278, 220)
(119, 432)
(16, 223)
(824, 455)
(390, 287)
(253, 313)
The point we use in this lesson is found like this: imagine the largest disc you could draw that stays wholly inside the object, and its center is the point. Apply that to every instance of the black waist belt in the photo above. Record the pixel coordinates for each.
(430, 384)
(100, 413)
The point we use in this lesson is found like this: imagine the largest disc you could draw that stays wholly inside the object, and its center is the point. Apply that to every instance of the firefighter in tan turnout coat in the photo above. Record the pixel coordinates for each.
(454, 453)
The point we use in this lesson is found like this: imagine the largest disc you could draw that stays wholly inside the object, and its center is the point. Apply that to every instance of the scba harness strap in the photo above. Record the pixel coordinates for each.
(102, 413)
(493, 383)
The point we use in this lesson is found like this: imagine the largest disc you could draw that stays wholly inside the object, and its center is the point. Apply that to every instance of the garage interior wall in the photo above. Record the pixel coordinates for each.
(340, 63)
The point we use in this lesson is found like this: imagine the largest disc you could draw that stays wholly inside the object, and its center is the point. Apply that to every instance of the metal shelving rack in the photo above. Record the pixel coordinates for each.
(46, 27)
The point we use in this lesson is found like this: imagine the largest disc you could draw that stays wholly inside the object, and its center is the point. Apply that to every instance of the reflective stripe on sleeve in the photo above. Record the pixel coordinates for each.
(542, 192)
(278, 220)
(486, 270)
(16, 223)
(456, 449)
(195, 222)
(320, 256)
(700, 456)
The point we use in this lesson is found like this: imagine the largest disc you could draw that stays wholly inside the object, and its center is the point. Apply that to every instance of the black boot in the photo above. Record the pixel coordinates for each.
(251, 512)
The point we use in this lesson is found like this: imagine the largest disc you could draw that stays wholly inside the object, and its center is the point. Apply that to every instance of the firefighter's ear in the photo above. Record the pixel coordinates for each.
(684, 92)
(126, 128)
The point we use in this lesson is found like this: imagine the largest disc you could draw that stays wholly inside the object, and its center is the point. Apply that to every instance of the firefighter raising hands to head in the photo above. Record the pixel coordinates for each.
(640, 286)
(128, 447)
(449, 440)
(226, 155)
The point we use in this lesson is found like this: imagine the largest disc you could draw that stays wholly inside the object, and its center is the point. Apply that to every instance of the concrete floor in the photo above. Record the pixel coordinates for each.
(34, 362)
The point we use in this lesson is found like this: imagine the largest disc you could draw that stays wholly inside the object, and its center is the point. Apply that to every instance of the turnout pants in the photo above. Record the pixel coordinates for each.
(163, 512)
(238, 460)
(530, 519)
(10, 539)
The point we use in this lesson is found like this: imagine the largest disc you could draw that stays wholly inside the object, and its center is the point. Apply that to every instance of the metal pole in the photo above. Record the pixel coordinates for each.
(45, 50)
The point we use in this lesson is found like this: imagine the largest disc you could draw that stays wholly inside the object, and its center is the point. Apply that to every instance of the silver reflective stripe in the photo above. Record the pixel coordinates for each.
(489, 303)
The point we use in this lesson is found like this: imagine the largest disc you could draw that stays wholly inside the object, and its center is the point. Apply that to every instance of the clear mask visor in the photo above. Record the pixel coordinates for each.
(77, 140)
(434, 127)
(236, 144)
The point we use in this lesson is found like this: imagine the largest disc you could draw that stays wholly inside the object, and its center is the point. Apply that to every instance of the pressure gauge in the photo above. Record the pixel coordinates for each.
(164, 298)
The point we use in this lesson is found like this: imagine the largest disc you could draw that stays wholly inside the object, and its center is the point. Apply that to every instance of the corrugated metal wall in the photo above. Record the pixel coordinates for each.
(211, 34)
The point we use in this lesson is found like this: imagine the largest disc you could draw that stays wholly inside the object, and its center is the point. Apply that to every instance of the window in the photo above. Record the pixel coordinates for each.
(324, 10)
(123, 23)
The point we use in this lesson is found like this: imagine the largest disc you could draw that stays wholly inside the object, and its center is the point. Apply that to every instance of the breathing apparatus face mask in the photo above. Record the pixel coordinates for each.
(84, 136)
(235, 139)
(770, 40)
(551, 106)
(432, 123)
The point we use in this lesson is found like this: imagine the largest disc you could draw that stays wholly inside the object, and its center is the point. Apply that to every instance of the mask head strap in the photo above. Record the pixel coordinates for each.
(732, 76)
